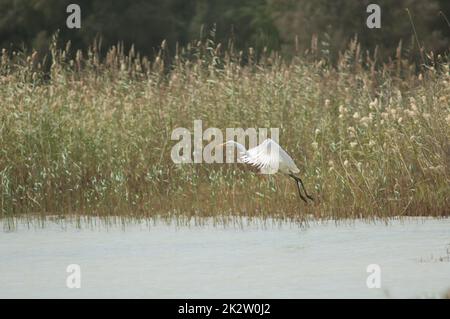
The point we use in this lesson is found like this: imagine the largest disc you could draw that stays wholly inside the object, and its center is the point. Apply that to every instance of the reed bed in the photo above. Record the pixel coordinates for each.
(91, 134)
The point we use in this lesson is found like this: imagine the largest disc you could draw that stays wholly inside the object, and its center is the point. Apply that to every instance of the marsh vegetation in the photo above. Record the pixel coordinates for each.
(91, 134)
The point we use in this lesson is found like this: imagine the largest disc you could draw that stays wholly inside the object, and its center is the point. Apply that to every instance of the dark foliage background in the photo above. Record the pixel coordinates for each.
(274, 24)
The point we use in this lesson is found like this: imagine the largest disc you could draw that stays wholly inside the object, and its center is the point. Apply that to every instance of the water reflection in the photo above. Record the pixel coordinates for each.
(242, 259)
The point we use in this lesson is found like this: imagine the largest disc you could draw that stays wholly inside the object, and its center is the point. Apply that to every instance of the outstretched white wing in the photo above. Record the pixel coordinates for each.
(270, 157)
(265, 156)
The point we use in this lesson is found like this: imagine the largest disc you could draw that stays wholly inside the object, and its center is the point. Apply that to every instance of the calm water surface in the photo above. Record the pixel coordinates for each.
(324, 260)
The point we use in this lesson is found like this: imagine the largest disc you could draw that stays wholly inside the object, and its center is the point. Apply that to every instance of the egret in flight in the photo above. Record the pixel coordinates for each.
(270, 158)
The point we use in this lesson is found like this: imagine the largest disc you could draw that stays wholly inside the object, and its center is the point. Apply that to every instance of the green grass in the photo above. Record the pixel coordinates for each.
(92, 136)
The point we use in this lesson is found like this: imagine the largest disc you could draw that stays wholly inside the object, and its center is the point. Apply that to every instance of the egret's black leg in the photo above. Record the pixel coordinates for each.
(298, 188)
(300, 180)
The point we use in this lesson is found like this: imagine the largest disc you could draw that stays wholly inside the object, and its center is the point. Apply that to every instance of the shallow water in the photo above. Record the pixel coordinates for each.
(323, 260)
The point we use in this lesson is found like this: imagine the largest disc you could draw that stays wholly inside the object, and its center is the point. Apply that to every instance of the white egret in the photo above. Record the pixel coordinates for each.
(270, 158)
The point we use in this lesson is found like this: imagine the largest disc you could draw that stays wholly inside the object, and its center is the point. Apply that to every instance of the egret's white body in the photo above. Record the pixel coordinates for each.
(270, 158)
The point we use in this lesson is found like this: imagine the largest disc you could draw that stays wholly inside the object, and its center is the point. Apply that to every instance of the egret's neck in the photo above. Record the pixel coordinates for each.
(240, 147)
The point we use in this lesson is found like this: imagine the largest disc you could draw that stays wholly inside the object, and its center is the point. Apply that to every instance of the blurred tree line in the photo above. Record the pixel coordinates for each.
(285, 25)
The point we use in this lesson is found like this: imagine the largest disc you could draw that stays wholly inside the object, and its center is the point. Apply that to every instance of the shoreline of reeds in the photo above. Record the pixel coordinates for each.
(91, 135)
